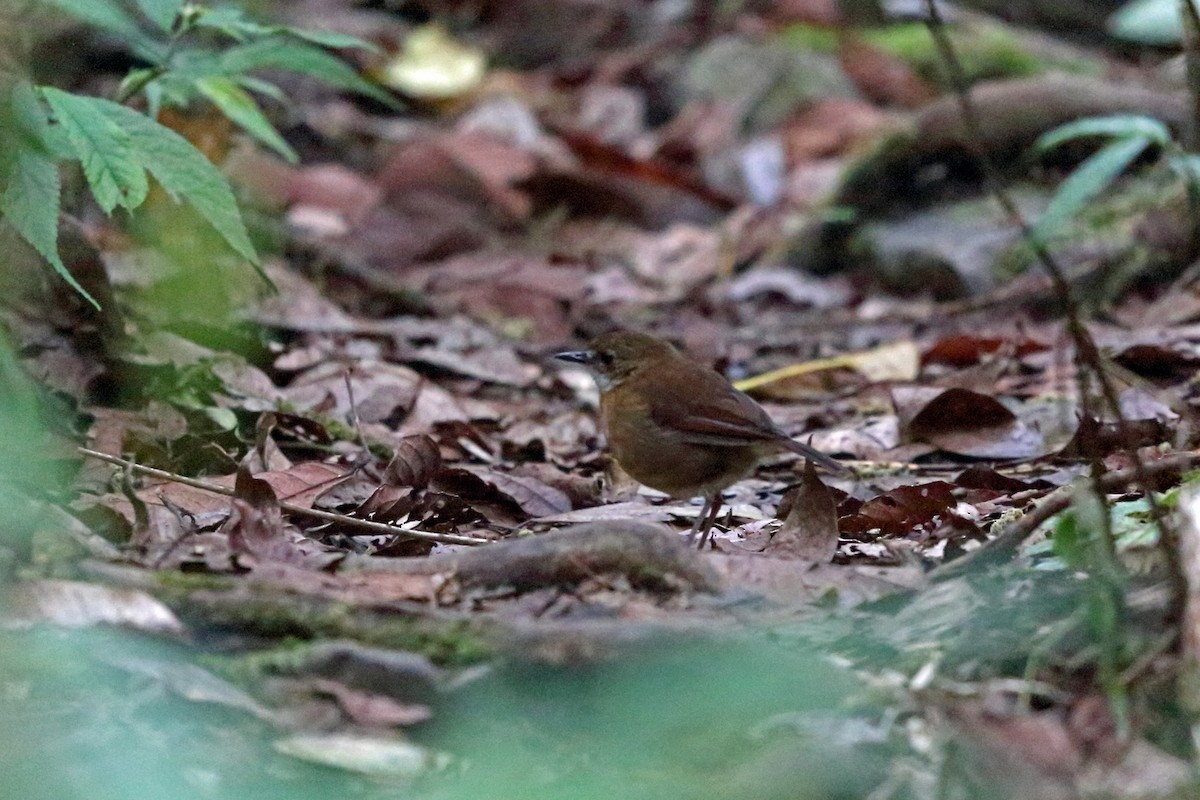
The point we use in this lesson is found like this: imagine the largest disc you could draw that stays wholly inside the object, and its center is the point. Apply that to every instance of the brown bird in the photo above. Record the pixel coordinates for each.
(677, 426)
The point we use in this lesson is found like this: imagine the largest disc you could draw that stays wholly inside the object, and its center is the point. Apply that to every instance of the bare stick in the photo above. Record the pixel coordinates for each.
(1191, 55)
(291, 508)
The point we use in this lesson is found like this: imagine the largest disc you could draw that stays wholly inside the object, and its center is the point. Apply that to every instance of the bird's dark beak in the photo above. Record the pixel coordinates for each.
(586, 357)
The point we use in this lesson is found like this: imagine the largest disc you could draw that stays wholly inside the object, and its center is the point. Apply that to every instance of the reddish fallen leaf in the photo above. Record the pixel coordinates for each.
(902, 510)
(333, 187)
(609, 160)
(527, 497)
(963, 350)
(499, 365)
(986, 478)
(808, 12)
(565, 439)
(256, 527)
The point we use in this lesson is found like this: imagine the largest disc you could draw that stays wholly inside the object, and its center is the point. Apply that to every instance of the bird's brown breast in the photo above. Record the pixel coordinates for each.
(659, 455)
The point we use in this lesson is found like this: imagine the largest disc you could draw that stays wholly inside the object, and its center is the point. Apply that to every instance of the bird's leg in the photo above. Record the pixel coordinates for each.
(702, 530)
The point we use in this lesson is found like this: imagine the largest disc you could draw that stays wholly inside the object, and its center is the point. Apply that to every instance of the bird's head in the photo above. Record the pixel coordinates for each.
(613, 357)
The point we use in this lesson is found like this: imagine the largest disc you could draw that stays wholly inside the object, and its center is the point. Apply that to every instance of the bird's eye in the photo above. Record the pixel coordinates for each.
(606, 358)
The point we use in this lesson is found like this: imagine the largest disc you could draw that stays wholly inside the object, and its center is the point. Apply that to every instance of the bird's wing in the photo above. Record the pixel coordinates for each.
(731, 420)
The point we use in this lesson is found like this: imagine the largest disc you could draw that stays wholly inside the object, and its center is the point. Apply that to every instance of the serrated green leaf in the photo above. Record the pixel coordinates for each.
(235, 103)
(288, 53)
(185, 173)
(161, 12)
(1087, 181)
(1117, 126)
(30, 204)
(31, 119)
(103, 148)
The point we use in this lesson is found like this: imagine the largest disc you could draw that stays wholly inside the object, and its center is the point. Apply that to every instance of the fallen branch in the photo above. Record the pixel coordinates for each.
(647, 555)
(291, 508)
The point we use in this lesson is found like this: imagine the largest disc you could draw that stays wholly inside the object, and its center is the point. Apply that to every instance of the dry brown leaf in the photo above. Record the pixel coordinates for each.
(535, 498)
(810, 531)
(964, 422)
(415, 463)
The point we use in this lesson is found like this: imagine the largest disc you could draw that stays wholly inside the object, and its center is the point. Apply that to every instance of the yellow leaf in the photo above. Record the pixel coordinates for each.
(435, 66)
(898, 361)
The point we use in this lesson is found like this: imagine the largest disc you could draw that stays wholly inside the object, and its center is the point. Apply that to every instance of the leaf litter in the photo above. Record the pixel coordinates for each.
(405, 368)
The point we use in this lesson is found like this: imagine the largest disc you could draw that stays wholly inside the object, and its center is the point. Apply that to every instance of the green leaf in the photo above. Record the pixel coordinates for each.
(30, 204)
(263, 87)
(161, 12)
(172, 89)
(104, 14)
(339, 41)
(1087, 181)
(31, 119)
(1187, 167)
(288, 53)
(185, 173)
(1069, 542)
(240, 107)
(1117, 126)
(109, 15)
(103, 148)
(232, 21)
(136, 80)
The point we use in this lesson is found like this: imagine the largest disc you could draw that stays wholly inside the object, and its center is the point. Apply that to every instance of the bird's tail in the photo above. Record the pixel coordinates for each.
(813, 454)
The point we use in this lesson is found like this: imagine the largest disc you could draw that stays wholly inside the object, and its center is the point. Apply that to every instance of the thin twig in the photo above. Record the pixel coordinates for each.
(1191, 56)
(362, 440)
(291, 508)
(1087, 354)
